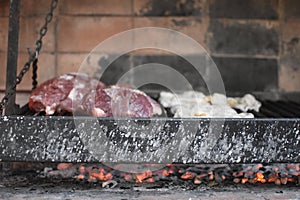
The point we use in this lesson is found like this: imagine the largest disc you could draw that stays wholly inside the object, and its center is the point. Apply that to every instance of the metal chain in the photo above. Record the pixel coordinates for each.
(33, 58)
(34, 73)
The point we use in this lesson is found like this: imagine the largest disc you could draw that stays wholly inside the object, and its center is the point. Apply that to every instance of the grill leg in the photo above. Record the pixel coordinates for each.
(12, 54)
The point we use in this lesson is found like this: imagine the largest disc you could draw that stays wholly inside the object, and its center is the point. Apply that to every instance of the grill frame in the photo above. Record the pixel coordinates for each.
(56, 139)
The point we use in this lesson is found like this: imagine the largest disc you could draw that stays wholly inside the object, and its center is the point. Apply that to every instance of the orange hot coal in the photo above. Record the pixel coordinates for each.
(280, 174)
(188, 175)
(260, 177)
(141, 177)
(101, 175)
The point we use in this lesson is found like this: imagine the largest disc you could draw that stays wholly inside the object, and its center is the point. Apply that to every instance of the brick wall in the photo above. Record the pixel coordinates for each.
(255, 44)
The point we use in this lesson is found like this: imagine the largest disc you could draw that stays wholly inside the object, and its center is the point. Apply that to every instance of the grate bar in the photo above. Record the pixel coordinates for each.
(257, 114)
(287, 107)
(278, 109)
(294, 105)
(269, 112)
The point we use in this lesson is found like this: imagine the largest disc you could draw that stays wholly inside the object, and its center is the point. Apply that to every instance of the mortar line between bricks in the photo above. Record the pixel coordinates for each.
(131, 64)
(280, 38)
(95, 15)
(56, 45)
(133, 15)
(206, 34)
(111, 15)
(244, 56)
(230, 20)
(98, 52)
(42, 51)
(280, 13)
(211, 54)
(168, 16)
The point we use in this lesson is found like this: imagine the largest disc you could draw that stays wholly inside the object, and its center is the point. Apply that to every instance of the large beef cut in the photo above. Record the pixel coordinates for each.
(81, 94)
(120, 102)
(63, 93)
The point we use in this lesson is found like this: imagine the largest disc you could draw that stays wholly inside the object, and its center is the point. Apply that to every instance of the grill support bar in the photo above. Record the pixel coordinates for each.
(12, 54)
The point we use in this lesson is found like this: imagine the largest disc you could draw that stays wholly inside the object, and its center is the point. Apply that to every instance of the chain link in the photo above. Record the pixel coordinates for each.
(33, 58)
(34, 73)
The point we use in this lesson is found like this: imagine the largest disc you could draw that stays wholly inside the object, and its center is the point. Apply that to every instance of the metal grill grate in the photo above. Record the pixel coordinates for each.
(269, 109)
(278, 109)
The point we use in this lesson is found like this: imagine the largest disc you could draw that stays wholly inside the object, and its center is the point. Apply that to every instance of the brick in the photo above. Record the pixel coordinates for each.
(248, 74)
(72, 63)
(291, 44)
(243, 38)
(28, 34)
(289, 80)
(168, 8)
(112, 74)
(27, 7)
(82, 34)
(4, 8)
(3, 33)
(194, 27)
(291, 9)
(67, 62)
(29, 27)
(176, 62)
(46, 70)
(95, 7)
(290, 58)
(3, 61)
(244, 9)
(36, 7)
(30, 31)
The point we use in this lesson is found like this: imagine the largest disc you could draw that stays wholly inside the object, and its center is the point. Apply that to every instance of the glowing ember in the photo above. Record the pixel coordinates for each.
(260, 177)
(244, 180)
(143, 176)
(197, 181)
(280, 174)
(64, 166)
(188, 175)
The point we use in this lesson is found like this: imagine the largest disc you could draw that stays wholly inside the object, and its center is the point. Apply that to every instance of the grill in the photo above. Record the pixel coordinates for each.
(32, 135)
(192, 149)
(273, 135)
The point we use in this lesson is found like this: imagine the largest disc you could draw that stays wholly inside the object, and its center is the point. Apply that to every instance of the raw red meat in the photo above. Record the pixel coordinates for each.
(120, 102)
(63, 93)
(79, 93)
